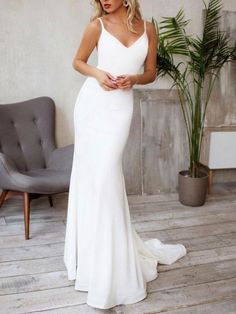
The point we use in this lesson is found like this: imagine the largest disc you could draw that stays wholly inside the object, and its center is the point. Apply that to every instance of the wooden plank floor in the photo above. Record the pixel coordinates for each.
(33, 278)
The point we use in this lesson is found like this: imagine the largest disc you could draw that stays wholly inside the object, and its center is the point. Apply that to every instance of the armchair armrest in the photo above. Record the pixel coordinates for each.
(7, 165)
(61, 158)
(7, 170)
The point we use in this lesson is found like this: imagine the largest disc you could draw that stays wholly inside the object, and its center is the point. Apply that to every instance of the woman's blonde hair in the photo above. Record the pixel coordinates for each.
(133, 11)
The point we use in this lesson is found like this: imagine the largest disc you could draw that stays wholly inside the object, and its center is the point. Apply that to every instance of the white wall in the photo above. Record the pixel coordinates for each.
(38, 40)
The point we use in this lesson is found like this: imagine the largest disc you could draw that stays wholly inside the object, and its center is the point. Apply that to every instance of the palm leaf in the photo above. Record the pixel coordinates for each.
(172, 31)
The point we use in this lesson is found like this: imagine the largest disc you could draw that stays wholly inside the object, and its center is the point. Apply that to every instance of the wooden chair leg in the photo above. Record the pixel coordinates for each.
(50, 200)
(26, 214)
(3, 196)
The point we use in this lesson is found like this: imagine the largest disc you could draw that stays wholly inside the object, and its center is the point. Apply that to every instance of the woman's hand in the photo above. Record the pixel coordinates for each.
(106, 80)
(126, 81)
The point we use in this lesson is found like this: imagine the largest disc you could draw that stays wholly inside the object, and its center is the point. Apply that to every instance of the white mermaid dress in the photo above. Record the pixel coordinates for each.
(103, 253)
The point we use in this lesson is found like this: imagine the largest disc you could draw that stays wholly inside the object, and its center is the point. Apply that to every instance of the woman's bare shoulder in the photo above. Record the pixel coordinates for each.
(94, 26)
(150, 26)
(151, 30)
(92, 33)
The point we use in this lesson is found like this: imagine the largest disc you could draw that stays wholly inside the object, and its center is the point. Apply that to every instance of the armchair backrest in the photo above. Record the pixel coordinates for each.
(27, 132)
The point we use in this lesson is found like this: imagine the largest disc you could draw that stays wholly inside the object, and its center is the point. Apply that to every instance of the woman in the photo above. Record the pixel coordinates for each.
(103, 253)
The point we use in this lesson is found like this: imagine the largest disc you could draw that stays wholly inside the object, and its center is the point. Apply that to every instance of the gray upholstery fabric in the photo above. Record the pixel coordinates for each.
(29, 158)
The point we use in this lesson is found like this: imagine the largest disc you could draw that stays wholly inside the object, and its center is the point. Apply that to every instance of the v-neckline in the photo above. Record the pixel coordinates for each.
(103, 28)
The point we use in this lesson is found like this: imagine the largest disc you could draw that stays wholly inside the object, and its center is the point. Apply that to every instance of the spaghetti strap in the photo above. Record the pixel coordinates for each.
(145, 26)
(101, 22)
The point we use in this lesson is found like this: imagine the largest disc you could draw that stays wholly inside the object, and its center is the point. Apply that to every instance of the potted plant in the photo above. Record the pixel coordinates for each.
(194, 78)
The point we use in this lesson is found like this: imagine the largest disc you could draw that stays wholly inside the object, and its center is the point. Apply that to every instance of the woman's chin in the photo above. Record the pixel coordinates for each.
(110, 10)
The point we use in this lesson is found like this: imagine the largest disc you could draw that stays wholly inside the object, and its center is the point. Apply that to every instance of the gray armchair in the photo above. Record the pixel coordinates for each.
(30, 162)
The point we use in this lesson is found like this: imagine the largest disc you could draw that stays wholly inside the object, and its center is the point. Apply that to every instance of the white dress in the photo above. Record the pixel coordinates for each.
(103, 253)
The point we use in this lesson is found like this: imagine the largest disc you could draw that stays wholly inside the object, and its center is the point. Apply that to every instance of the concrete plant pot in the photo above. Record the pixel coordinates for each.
(192, 191)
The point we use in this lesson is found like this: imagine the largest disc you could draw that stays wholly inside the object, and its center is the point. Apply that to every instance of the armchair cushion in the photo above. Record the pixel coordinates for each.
(43, 181)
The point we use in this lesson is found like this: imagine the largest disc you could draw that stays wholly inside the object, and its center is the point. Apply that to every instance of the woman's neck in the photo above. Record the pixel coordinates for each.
(119, 16)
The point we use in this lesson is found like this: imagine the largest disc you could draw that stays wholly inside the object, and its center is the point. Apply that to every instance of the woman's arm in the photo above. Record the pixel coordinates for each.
(88, 43)
(150, 64)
